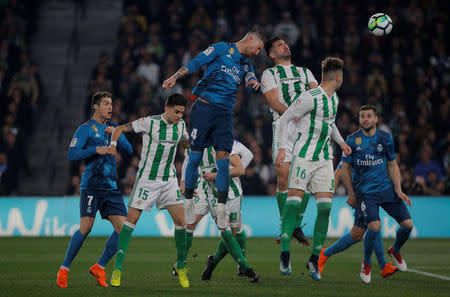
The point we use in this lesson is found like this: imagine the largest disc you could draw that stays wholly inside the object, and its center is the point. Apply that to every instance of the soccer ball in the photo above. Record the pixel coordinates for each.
(380, 24)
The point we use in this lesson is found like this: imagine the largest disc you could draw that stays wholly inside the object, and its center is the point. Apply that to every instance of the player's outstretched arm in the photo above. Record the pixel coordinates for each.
(112, 149)
(395, 176)
(170, 82)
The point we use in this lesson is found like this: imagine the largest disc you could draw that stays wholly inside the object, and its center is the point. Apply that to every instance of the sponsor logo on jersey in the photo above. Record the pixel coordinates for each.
(73, 143)
(358, 140)
(97, 135)
(229, 56)
(380, 148)
(263, 83)
(297, 102)
(231, 50)
(233, 72)
(208, 51)
(358, 148)
(94, 128)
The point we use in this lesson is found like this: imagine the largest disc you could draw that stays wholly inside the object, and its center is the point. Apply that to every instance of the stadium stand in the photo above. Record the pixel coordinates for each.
(391, 73)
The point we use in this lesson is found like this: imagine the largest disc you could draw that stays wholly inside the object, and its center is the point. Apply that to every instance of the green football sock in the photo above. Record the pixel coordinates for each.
(241, 238)
(124, 241)
(180, 243)
(302, 209)
(289, 221)
(281, 200)
(189, 237)
(220, 252)
(234, 249)
(321, 225)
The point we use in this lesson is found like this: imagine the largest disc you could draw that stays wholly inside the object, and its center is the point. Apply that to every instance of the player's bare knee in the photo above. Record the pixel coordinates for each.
(222, 155)
(374, 226)
(357, 234)
(407, 224)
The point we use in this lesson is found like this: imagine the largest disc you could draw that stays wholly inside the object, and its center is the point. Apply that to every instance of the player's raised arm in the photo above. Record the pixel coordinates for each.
(195, 64)
(245, 155)
(77, 150)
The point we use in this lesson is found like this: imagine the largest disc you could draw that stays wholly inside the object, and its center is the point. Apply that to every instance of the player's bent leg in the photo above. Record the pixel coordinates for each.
(402, 235)
(75, 244)
(124, 241)
(346, 241)
(98, 270)
(369, 240)
(323, 201)
(282, 173)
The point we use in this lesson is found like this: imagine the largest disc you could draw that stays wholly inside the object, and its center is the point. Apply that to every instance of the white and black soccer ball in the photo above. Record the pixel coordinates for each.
(380, 24)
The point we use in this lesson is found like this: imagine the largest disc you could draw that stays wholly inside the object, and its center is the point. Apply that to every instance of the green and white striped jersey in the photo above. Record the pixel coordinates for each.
(159, 143)
(291, 81)
(208, 164)
(317, 113)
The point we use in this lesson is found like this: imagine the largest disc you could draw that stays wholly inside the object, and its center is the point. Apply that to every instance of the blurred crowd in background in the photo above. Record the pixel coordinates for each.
(406, 75)
(20, 90)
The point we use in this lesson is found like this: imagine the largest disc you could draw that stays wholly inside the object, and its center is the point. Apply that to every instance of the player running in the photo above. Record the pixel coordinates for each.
(282, 85)
(98, 189)
(212, 114)
(156, 180)
(372, 178)
(312, 166)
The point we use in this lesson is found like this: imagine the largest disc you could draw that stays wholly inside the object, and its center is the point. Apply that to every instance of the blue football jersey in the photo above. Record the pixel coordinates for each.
(369, 158)
(225, 70)
(100, 170)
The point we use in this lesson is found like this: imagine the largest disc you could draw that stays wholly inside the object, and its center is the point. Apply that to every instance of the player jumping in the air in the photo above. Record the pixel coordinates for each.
(312, 166)
(156, 180)
(212, 116)
(99, 191)
(372, 178)
(282, 85)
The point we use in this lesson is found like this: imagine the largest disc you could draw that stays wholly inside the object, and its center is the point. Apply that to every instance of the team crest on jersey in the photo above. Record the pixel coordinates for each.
(358, 140)
(94, 128)
(140, 120)
(379, 148)
(209, 50)
(73, 143)
(231, 50)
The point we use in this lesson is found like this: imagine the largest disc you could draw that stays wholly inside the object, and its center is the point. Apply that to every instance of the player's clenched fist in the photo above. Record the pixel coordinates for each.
(169, 83)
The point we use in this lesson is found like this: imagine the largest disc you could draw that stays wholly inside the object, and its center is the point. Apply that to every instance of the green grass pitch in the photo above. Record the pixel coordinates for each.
(28, 267)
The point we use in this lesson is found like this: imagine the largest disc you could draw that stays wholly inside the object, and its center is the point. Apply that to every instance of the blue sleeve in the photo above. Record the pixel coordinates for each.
(348, 159)
(206, 56)
(124, 145)
(390, 151)
(77, 151)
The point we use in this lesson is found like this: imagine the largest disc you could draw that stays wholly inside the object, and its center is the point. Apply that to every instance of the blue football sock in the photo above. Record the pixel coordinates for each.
(74, 246)
(369, 241)
(192, 173)
(223, 179)
(342, 244)
(401, 238)
(379, 251)
(110, 249)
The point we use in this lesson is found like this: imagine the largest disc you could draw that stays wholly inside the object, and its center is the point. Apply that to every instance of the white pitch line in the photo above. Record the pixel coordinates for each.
(428, 274)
